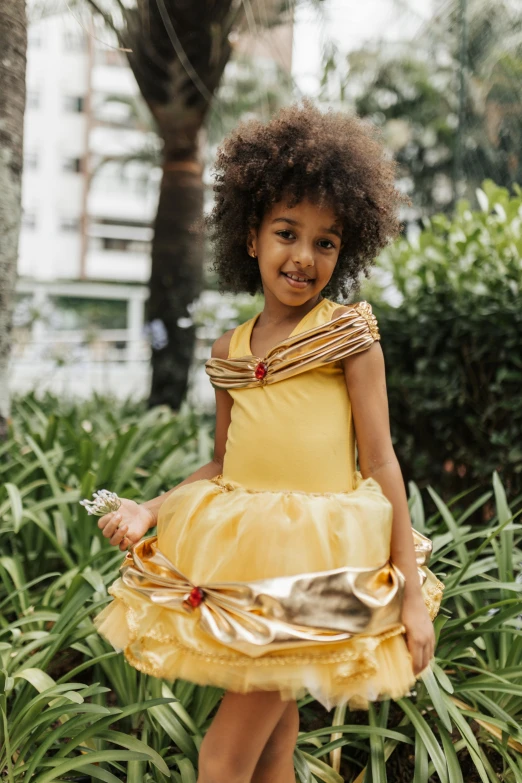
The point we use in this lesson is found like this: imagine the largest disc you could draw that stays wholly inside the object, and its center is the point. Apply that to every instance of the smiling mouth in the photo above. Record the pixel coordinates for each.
(297, 278)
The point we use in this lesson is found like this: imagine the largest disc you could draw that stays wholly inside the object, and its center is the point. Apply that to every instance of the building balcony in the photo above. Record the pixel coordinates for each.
(119, 265)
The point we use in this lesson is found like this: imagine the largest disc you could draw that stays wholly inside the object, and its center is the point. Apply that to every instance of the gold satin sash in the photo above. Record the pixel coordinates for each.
(348, 333)
(287, 612)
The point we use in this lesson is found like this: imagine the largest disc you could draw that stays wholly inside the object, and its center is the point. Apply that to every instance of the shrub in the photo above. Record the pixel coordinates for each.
(453, 346)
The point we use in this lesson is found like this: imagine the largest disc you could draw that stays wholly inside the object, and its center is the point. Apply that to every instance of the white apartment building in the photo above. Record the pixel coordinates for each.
(85, 238)
(86, 227)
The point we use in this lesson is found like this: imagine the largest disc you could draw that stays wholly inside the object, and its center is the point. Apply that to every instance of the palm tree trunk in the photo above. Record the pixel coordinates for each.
(176, 280)
(178, 52)
(13, 48)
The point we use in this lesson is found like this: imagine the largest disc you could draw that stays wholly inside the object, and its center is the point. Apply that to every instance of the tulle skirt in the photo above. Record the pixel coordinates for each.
(217, 531)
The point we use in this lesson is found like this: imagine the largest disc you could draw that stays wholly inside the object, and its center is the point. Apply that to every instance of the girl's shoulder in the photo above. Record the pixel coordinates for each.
(221, 347)
(235, 342)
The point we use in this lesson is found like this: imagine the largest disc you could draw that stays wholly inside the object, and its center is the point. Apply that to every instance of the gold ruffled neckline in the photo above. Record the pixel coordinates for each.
(348, 333)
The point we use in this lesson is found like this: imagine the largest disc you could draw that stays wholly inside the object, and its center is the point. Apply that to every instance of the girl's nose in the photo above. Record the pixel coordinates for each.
(303, 263)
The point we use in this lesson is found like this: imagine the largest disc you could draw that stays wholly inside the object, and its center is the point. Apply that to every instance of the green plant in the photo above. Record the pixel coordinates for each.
(70, 705)
(462, 722)
(58, 454)
(452, 346)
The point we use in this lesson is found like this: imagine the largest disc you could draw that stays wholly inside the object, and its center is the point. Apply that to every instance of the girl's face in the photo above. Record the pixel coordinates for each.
(297, 249)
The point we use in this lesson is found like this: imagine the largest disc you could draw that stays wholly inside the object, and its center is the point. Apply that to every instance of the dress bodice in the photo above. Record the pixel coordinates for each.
(296, 434)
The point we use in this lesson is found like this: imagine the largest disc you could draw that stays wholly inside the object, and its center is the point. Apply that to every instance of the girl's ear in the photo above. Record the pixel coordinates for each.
(251, 243)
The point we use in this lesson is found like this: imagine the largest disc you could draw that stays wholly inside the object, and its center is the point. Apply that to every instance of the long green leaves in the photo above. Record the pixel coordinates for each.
(70, 706)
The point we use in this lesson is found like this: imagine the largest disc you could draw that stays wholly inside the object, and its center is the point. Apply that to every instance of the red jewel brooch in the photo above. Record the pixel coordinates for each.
(260, 371)
(195, 597)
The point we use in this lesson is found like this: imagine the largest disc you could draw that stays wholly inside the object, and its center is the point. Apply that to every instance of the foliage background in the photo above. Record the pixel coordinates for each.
(452, 346)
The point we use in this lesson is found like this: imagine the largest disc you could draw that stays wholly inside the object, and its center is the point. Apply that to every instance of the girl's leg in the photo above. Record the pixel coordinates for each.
(233, 745)
(276, 763)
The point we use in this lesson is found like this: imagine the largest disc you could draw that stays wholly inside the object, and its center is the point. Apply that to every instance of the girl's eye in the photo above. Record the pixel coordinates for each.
(286, 231)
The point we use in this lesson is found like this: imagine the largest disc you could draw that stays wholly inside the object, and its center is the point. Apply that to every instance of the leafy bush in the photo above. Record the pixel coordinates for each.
(452, 346)
(70, 706)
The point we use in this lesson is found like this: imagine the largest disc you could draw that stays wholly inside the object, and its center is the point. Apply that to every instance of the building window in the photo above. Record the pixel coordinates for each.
(82, 313)
(32, 99)
(129, 245)
(74, 103)
(31, 160)
(72, 164)
(70, 224)
(132, 223)
(28, 219)
(109, 243)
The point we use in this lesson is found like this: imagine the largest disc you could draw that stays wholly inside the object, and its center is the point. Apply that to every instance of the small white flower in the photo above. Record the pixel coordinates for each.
(184, 323)
(104, 502)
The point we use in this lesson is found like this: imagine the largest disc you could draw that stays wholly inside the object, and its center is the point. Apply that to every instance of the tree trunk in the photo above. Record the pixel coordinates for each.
(13, 50)
(177, 52)
(176, 280)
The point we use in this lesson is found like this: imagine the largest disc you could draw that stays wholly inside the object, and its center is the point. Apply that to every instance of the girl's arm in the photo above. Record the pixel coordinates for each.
(132, 520)
(366, 384)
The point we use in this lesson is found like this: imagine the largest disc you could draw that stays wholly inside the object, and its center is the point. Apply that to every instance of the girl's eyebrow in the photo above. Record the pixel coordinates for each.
(331, 230)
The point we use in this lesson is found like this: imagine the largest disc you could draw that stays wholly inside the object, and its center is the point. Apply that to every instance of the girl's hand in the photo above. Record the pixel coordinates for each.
(420, 634)
(127, 525)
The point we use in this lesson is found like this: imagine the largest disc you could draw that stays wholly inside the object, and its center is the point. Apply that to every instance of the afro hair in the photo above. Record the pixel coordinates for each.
(329, 158)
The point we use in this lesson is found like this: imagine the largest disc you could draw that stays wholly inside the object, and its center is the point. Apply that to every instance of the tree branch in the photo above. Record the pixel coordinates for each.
(106, 18)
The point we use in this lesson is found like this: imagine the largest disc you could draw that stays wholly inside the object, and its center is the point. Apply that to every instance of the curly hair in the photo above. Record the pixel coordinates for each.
(330, 158)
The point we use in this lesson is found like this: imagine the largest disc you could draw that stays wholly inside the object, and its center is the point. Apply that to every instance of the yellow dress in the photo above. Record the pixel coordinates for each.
(290, 502)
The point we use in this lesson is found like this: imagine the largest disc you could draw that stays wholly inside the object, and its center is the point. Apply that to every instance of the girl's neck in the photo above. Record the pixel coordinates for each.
(276, 313)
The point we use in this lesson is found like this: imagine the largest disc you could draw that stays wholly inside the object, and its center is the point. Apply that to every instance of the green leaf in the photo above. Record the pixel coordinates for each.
(51, 477)
(38, 679)
(16, 505)
(451, 525)
(132, 743)
(433, 688)
(187, 770)
(176, 731)
(98, 773)
(78, 763)
(302, 767)
(454, 770)
(177, 707)
(468, 737)
(442, 677)
(320, 769)
(420, 773)
(377, 761)
(427, 736)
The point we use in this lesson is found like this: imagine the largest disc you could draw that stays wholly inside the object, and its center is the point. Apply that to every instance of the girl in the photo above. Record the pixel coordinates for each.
(278, 567)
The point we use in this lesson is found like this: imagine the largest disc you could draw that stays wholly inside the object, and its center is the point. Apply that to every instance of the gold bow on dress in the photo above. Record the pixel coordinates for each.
(267, 615)
(351, 332)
